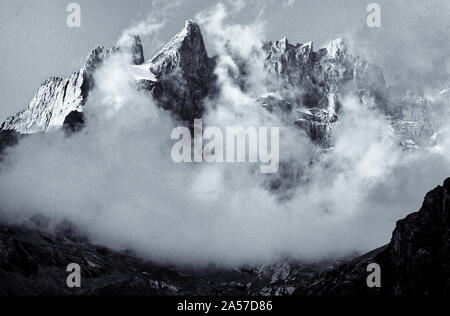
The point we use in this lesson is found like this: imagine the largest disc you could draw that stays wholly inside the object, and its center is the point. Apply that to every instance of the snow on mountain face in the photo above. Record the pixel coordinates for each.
(58, 97)
(55, 99)
(321, 78)
(181, 75)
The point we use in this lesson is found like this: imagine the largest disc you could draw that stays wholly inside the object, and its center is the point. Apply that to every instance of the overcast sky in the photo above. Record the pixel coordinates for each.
(35, 42)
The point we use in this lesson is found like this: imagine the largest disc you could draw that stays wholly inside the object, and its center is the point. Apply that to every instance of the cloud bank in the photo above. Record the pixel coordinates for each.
(116, 182)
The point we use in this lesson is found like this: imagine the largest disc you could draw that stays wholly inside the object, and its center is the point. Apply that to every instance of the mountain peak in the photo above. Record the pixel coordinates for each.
(183, 59)
(180, 51)
(191, 25)
(96, 58)
(336, 48)
(284, 43)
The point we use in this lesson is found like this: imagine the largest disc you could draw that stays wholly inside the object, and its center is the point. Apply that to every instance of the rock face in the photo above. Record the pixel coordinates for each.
(415, 262)
(420, 248)
(418, 118)
(74, 122)
(8, 139)
(314, 84)
(179, 77)
(307, 89)
(184, 73)
(57, 97)
(316, 81)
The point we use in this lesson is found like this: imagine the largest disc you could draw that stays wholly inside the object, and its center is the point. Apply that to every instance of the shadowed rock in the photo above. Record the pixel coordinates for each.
(74, 122)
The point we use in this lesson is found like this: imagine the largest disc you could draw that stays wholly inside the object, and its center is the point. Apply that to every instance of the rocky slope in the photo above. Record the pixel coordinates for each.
(178, 77)
(315, 82)
(58, 97)
(415, 262)
(306, 88)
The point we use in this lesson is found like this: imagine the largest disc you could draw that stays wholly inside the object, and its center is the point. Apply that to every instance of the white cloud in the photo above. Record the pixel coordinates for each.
(288, 3)
(116, 180)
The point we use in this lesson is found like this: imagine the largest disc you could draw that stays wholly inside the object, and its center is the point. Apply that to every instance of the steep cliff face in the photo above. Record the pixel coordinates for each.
(54, 100)
(183, 72)
(179, 77)
(307, 90)
(57, 97)
(420, 248)
(415, 262)
(315, 82)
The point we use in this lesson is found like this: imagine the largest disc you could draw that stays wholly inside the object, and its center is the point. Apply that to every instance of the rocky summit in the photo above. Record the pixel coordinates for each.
(306, 88)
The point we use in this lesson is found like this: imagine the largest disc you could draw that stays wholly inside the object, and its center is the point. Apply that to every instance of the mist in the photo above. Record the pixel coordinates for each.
(411, 46)
(115, 180)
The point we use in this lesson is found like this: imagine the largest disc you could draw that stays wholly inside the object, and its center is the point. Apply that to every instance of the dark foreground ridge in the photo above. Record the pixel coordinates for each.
(415, 262)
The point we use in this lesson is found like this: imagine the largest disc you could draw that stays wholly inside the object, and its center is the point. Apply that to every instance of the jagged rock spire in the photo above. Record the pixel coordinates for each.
(181, 75)
(184, 72)
(132, 44)
(185, 51)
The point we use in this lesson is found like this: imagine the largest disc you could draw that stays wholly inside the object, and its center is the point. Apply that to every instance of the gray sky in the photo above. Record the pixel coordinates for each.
(36, 43)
